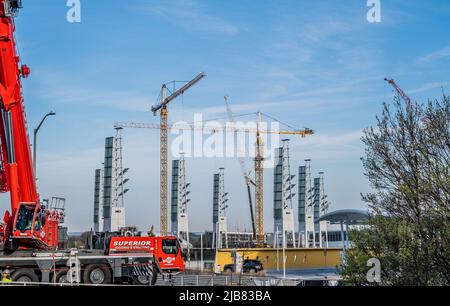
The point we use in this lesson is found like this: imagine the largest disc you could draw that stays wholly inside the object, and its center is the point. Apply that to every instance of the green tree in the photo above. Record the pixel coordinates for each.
(407, 162)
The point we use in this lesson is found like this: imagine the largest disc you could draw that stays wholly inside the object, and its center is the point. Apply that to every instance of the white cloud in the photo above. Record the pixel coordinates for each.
(427, 87)
(331, 146)
(191, 15)
(436, 55)
(60, 89)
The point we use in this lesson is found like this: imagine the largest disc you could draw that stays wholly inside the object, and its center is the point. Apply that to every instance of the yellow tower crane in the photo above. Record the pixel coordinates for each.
(259, 184)
(162, 108)
(258, 221)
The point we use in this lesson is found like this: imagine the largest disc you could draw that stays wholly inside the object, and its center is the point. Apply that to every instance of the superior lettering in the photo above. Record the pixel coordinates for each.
(131, 243)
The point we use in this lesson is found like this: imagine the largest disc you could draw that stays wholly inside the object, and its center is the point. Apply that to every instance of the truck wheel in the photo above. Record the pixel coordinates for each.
(97, 274)
(25, 276)
(143, 280)
(252, 271)
(229, 271)
(61, 276)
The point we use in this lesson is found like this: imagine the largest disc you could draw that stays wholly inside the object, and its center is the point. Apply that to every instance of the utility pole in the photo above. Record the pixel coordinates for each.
(201, 252)
(284, 254)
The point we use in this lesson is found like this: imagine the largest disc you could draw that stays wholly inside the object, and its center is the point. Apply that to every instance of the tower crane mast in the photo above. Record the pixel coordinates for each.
(162, 108)
(259, 184)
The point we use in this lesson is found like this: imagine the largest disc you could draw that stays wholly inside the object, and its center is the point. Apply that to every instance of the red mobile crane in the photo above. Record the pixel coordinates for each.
(29, 224)
(29, 233)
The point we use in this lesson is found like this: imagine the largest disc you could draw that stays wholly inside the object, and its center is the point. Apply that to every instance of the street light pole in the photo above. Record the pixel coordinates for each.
(36, 130)
(201, 252)
(284, 254)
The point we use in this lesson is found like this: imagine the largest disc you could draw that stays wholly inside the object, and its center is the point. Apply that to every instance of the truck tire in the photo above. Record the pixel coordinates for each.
(143, 280)
(61, 276)
(97, 274)
(229, 271)
(25, 276)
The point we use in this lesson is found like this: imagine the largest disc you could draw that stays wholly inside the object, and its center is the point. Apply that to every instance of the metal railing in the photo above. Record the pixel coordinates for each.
(224, 280)
(186, 279)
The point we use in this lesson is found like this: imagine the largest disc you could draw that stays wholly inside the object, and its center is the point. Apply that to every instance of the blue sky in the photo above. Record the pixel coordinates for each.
(309, 63)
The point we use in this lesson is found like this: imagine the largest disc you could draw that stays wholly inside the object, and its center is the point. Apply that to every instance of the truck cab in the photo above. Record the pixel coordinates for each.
(169, 254)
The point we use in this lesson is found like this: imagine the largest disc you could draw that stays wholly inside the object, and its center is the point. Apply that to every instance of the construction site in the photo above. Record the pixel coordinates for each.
(303, 240)
(313, 245)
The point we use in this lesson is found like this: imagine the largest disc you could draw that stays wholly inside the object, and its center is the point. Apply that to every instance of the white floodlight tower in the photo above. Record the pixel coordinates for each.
(288, 195)
(222, 218)
(118, 184)
(287, 212)
(310, 236)
(323, 209)
(182, 215)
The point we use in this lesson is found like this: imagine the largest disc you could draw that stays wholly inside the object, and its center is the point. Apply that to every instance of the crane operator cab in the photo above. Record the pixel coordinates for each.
(25, 219)
(33, 221)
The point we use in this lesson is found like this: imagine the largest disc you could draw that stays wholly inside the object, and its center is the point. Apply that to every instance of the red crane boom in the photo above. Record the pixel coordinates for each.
(29, 225)
(400, 91)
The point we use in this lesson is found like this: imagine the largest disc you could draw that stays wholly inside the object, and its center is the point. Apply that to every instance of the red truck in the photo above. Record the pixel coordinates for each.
(125, 260)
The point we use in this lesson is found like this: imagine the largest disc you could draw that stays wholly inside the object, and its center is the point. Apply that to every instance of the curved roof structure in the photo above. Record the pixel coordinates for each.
(347, 216)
